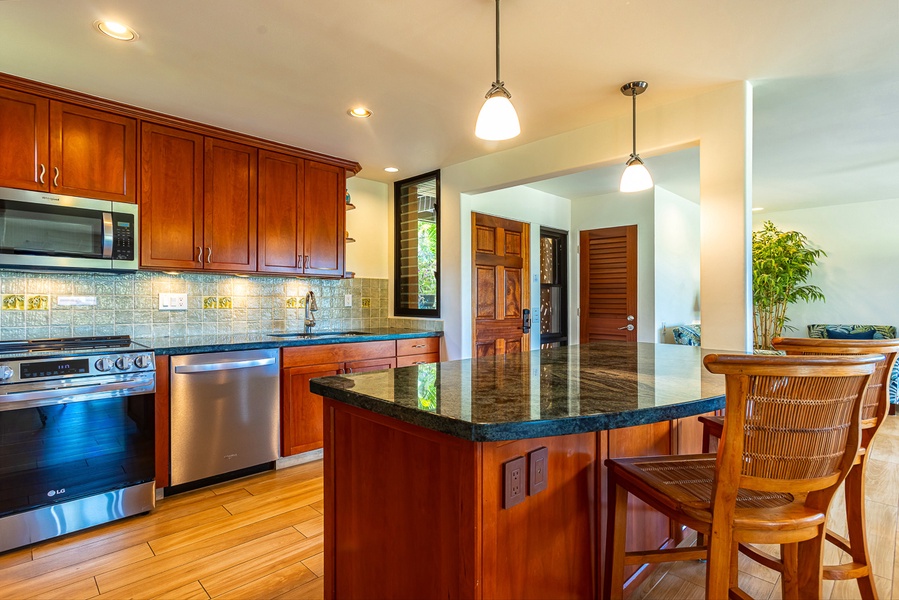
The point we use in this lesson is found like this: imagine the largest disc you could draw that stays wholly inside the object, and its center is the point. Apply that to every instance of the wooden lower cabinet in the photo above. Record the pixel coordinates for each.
(430, 521)
(301, 410)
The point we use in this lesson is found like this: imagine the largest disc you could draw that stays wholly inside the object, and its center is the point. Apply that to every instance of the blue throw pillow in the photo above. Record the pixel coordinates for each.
(842, 334)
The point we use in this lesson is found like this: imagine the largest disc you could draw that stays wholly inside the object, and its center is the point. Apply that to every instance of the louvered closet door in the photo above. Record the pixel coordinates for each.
(609, 284)
(499, 285)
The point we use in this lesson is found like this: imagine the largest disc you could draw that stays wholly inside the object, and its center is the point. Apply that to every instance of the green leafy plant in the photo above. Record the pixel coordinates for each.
(782, 262)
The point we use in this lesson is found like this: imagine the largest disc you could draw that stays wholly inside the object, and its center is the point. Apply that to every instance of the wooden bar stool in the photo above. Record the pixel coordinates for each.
(791, 436)
(874, 410)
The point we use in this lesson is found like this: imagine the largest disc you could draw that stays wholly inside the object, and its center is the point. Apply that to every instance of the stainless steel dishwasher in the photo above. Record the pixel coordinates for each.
(224, 412)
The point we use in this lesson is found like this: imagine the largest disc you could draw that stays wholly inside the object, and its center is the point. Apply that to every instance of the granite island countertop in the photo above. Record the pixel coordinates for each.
(558, 391)
(276, 339)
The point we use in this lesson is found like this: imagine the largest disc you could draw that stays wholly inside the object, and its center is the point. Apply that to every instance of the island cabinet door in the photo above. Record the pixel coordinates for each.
(301, 410)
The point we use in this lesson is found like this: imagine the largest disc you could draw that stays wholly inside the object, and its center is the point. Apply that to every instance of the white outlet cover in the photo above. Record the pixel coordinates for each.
(168, 301)
(348, 300)
(76, 301)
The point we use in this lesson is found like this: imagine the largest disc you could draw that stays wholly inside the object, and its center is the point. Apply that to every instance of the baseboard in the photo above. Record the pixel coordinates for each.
(299, 459)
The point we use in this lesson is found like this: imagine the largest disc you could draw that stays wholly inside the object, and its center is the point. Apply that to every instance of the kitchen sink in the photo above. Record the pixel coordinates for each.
(318, 334)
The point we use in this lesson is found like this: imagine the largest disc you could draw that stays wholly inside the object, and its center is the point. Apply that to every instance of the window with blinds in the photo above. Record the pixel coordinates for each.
(417, 246)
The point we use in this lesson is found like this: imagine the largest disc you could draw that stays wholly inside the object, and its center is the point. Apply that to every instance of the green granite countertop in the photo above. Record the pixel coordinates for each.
(276, 339)
(590, 387)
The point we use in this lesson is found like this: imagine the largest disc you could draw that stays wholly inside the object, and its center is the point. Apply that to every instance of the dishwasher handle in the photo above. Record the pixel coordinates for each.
(225, 366)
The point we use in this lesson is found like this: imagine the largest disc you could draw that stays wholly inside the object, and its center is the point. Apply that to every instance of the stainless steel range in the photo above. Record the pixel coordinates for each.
(76, 435)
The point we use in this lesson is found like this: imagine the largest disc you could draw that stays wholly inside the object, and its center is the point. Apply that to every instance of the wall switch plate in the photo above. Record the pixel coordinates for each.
(513, 482)
(76, 301)
(538, 478)
(169, 301)
(348, 300)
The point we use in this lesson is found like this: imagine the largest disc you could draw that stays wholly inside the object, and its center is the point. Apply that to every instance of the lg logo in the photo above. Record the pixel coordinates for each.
(52, 493)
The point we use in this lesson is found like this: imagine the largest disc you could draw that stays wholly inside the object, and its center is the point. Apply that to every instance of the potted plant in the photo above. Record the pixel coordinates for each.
(782, 262)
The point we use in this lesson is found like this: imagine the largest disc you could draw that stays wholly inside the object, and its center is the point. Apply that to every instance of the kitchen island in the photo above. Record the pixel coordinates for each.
(484, 478)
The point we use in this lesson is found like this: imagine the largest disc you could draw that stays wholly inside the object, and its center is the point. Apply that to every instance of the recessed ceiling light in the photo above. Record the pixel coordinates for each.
(116, 30)
(360, 112)
(391, 169)
(757, 208)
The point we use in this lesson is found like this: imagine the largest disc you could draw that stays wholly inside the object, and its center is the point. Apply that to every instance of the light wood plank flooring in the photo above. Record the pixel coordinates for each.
(261, 537)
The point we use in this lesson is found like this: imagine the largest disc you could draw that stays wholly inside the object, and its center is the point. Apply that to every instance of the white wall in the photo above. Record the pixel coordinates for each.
(367, 224)
(615, 210)
(859, 276)
(530, 206)
(720, 120)
(677, 255)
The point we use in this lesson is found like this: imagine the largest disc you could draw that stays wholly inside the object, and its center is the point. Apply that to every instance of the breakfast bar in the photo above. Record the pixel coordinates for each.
(484, 478)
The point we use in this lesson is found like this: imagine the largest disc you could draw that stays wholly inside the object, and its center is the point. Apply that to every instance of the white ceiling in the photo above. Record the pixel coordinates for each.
(825, 74)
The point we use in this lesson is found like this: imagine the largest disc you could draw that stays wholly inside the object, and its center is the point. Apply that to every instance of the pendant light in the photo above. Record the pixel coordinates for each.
(497, 119)
(636, 177)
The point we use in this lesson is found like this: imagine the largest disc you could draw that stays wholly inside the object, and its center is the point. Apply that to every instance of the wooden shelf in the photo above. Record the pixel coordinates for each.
(350, 206)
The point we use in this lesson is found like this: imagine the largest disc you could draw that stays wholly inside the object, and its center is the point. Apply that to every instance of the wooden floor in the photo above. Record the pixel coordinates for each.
(261, 537)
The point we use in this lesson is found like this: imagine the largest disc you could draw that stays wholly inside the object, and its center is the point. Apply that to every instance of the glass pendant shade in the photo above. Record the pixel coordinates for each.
(497, 119)
(636, 177)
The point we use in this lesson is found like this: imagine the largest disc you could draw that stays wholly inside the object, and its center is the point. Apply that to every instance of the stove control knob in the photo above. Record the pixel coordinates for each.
(142, 361)
(5, 373)
(104, 364)
(123, 363)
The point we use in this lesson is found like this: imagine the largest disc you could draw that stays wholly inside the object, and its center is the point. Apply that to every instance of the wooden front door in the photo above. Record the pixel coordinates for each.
(609, 284)
(499, 274)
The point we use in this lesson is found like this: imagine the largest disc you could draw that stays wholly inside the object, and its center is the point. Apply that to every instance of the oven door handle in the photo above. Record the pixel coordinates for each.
(107, 235)
(75, 393)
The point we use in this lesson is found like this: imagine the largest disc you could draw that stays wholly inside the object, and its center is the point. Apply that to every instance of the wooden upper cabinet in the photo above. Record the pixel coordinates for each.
(93, 153)
(171, 198)
(324, 233)
(281, 218)
(24, 140)
(229, 206)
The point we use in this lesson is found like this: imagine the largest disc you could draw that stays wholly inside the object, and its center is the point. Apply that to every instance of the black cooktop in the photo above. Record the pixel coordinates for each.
(68, 346)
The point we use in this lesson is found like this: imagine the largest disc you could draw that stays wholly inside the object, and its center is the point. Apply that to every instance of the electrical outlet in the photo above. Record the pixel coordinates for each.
(538, 476)
(366, 303)
(172, 301)
(348, 300)
(513, 482)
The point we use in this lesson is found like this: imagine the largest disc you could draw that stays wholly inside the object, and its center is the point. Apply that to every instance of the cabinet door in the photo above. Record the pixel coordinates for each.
(281, 190)
(417, 359)
(324, 217)
(371, 364)
(24, 140)
(301, 410)
(92, 153)
(171, 199)
(229, 206)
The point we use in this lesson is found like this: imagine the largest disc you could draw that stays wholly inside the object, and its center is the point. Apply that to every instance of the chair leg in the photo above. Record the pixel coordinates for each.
(810, 563)
(855, 518)
(706, 443)
(718, 568)
(616, 536)
(789, 582)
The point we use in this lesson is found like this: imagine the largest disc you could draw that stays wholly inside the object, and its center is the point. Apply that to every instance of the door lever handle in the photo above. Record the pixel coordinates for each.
(526, 320)
(629, 327)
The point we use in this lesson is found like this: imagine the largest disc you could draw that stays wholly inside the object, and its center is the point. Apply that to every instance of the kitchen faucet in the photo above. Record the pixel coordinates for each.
(311, 307)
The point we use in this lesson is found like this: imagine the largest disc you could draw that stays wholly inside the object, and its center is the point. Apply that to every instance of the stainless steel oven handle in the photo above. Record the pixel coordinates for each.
(224, 366)
(107, 235)
(8, 403)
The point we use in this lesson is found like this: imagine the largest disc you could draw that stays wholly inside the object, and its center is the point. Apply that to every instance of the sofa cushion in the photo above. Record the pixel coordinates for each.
(839, 333)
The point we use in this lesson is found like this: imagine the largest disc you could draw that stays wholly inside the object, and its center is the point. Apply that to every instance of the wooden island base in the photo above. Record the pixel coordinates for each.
(413, 513)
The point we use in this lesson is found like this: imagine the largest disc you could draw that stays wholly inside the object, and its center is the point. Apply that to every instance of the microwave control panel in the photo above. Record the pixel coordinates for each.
(123, 236)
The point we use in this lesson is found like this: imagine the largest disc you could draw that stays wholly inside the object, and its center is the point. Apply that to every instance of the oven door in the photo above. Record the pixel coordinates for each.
(64, 232)
(57, 444)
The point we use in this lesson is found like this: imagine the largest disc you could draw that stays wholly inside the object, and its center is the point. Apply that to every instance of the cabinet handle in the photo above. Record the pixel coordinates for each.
(418, 345)
(55, 176)
(420, 362)
(299, 259)
(43, 172)
(305, 262)
(349, 371)
(209, 255)
(199, 255)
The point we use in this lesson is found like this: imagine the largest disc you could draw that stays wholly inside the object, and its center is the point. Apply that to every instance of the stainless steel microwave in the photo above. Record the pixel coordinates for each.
(41, 231)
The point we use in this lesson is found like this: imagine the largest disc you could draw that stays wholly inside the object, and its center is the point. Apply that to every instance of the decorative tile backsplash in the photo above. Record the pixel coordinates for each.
(128, 304)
